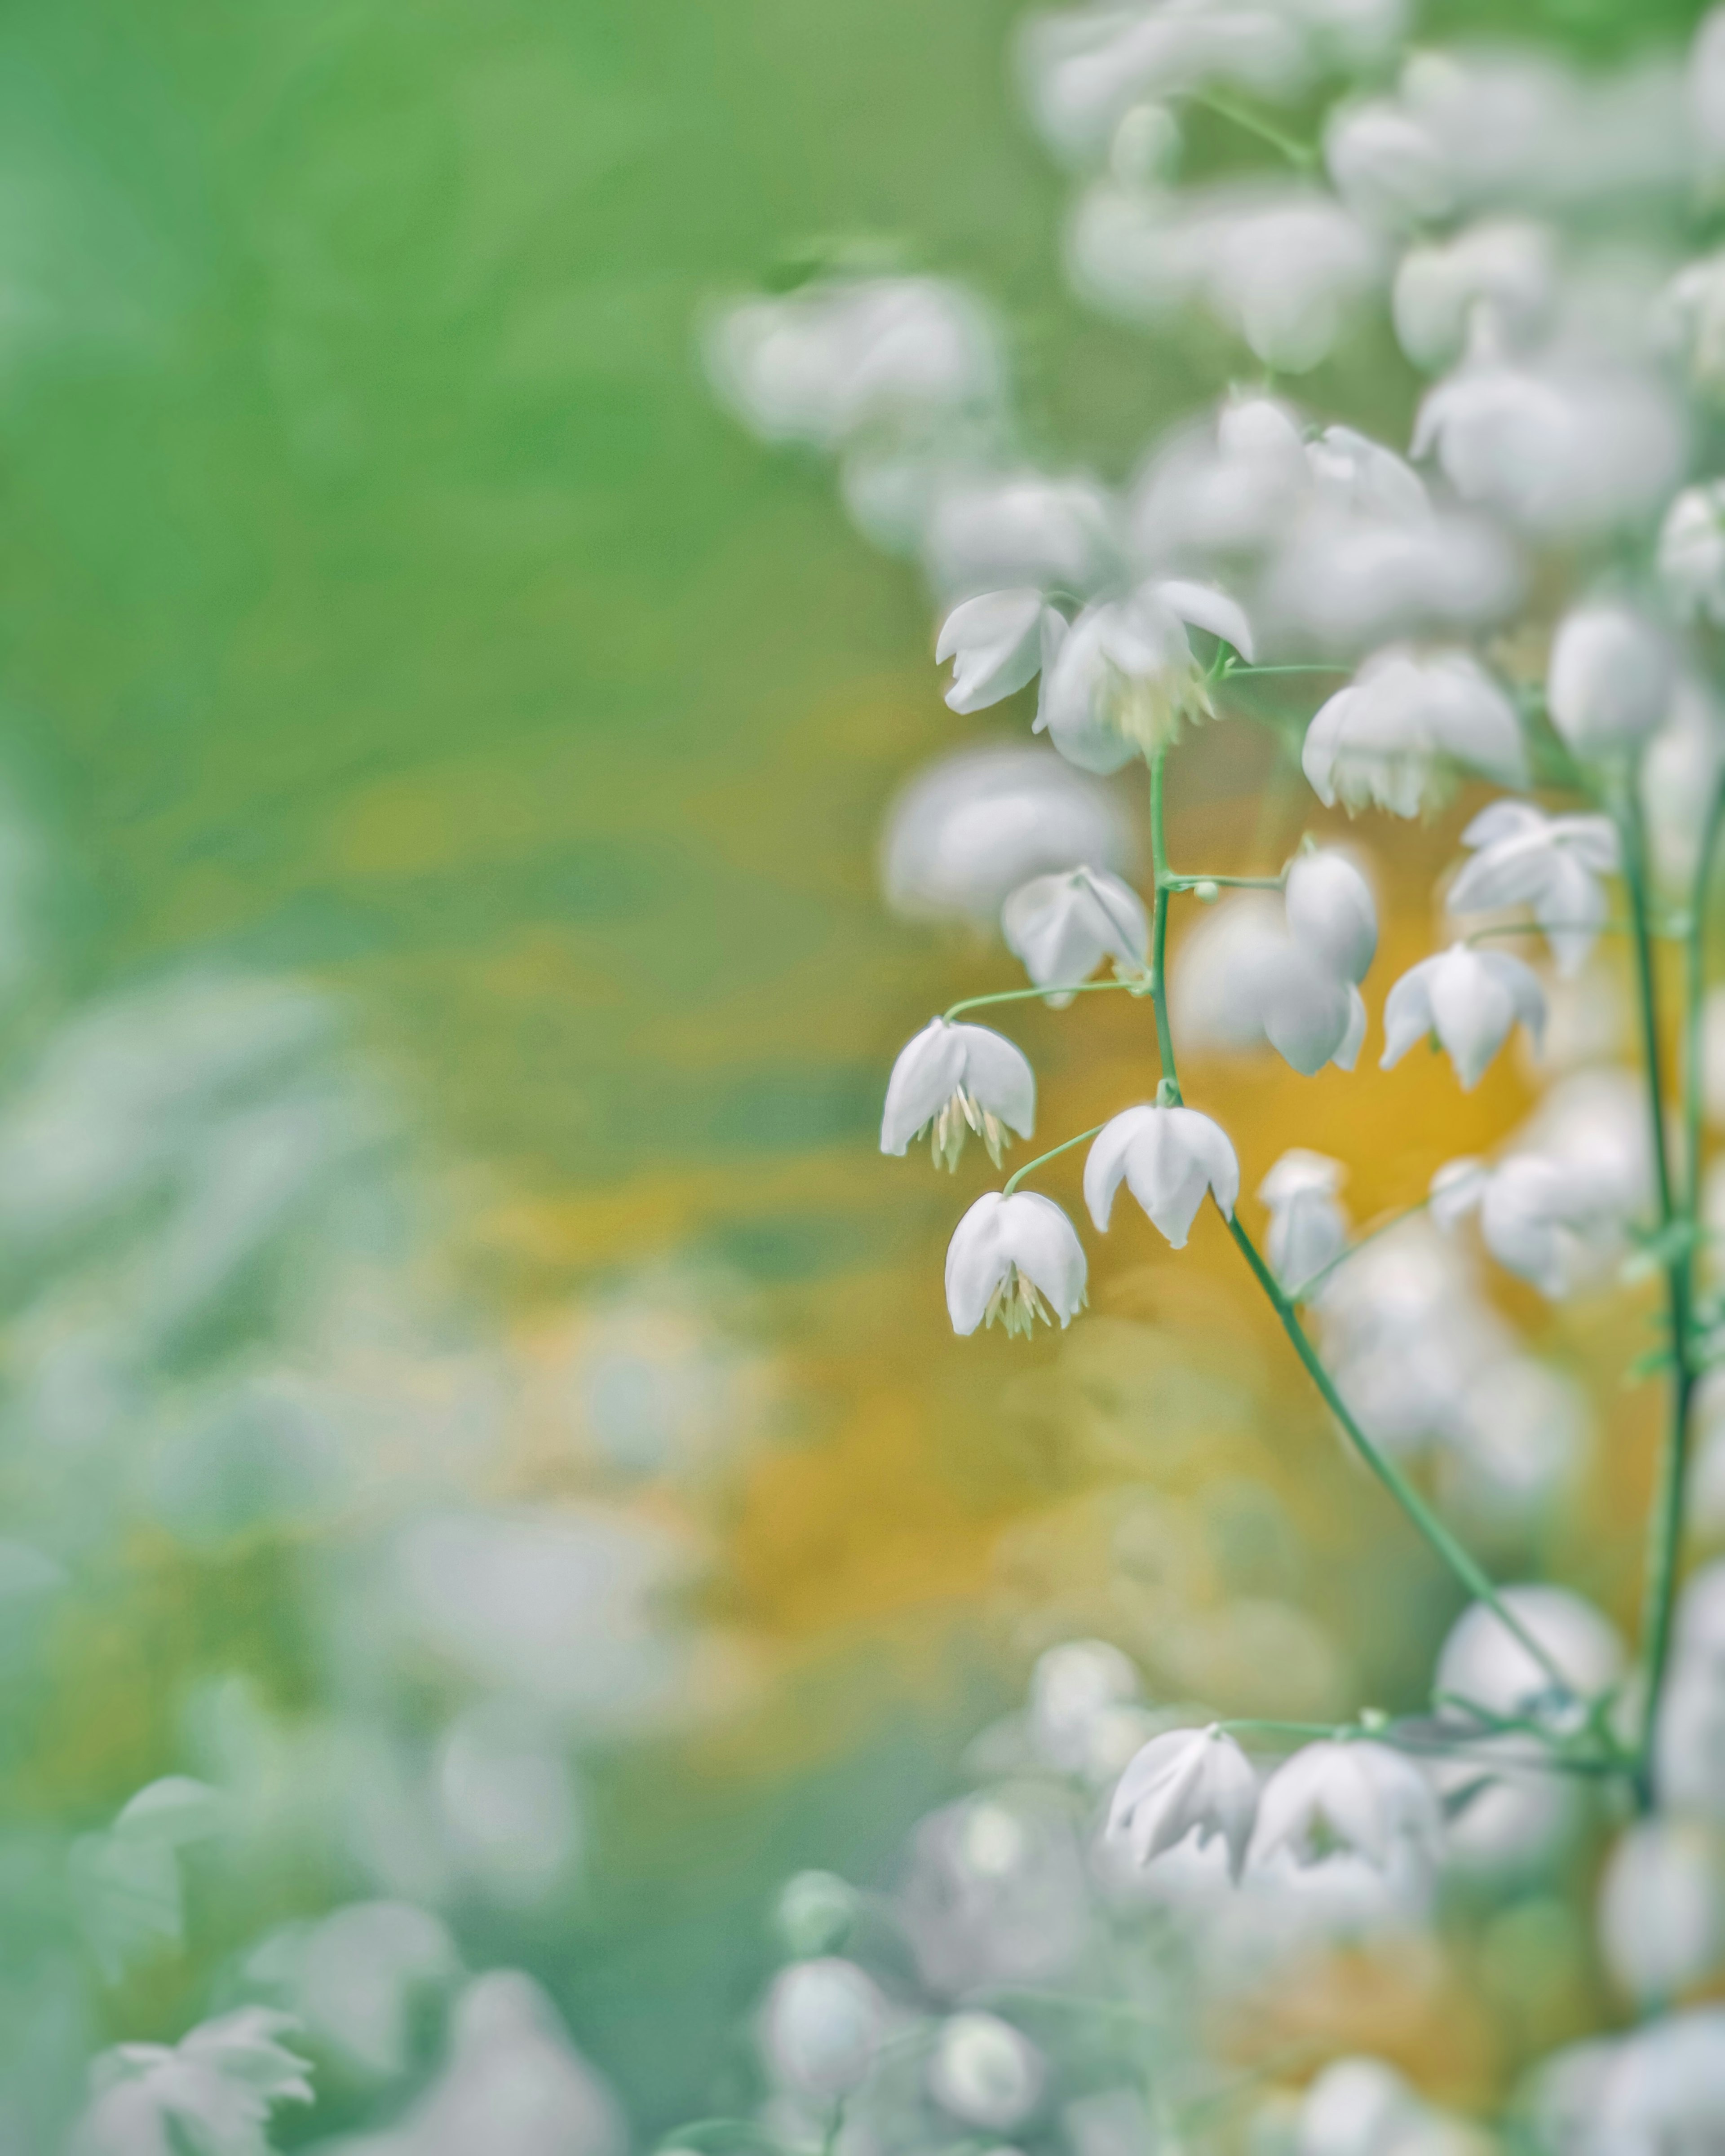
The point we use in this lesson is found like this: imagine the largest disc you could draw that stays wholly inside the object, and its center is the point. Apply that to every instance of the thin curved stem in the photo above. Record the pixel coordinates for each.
(1137, 988)
(1225, 883)
(1302, 1293)
(1158, 929)
(1053, 1153)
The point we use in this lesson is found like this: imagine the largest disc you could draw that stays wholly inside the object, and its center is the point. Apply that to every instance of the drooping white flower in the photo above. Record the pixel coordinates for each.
(1610, 679)
(1330, 913)
(949, 1079)
(1167, 1157)
(1081, 1691)
(1334, 1797)
(1506, 266)
(1308, 1229)
(1312, 1015)
(1387, 165)
(1124, 678)
(1682, 766)
(1063, 926)
(1691, 551)
(996, 530)
(1523, 857)
(1664, 2092)
(1536, 1223)
(213, 2090)
(996, 644)
(1484, 1662)
(822, 2024)
(1241, 976)
(1470, 1000)
(1360, 2107)
(1186, 1781)
(1690, 321)
(984, 2071)
(1006, 1256)
(1662, 1909)
(1227, 486)
(1383, 738)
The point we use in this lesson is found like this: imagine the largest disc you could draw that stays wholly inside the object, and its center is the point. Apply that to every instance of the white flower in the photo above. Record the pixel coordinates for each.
(1063, 926)
(212, 2092)
(993, 530)
(1311, 1016)
(1382, 738)
(1705, 87)
(1123, 678)
(1186, 1781)
(1387, 167)
(1079, 1693)
(1610, 679)
(995, 642)
(1331, 915)
(1661, 1915)
(1691, 551)
(1681, 766)
(1483, 1662)
(951, 1077)
(975, 825)
(1308, 1229)
(984, 2071)
(1690, 321)
(1359, 2107)
(1504, 266)
(1470, 1000)
(821, 2026)
(1334, 1797)
(1167, 1157)
(1663, 2094)
(1524, 857)
(1006, 1254)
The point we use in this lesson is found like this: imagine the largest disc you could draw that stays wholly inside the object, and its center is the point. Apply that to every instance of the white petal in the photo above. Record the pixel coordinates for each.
(997, 641)
(1347, 1055)
(1206, 608)
(927, 1073)
(1472, 1011)
(1043, 1243)
(1330, 913)
(1105, 1165)
(1308, 1012)
(998, 1075)
(1407, 1014)
(976, 1264)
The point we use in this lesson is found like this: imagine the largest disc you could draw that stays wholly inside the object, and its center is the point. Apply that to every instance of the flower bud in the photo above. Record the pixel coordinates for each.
(1610, 679)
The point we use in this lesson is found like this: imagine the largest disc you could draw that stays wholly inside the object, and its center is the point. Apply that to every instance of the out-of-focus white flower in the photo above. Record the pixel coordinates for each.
(1689, 1757)
(1308, 1229)
(1006, 1254)
(507, 1803)
(1330, 913)
(1661, 1909)
(1167, 1157)
(1062, 926)
(1350, 471)
(1226, 487)
(1311, 1016)
(995, 642)
(1387, 167)
(814, 1912)
(213, 2090)
(1691, 551)
(1664, 2092)
(1383, 738)
(1505, 266)
(1186, 1782)
(1223, 969)
(1523, 857)
(1334, 1797)
(971, 827)
(1682, 768)
(1342, 579)
(1242, 975)
(1690, 321)
(984, 2071)
(1470, 1000)
(1360, 2107)
(1560, 447)
(1704, 87)
(991, 531)
(1610, 679)
(1144, 150)
(1076, 1689)
(949, 1079)
(1123, 678)
(819, 364)
(359, 1979)
(1281, 267)
(1513, 1819)
(1516, 1444)
(1483, 1662)
(1538, 1225)
(821, 2026)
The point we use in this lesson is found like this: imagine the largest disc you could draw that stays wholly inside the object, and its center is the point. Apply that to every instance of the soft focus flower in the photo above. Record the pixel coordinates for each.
(951, 1078)
(1661, 1909)
(995, 642)
(1470, 1000)
(994, 530)
(1168, 1157)
(1063, 926)
(975, 825)
(984, 2071)
(1225, 487)
(1383, 737)
(1523, 857)
(1682, 768)
(1222, 971)
(1123, 678)
(1079, 1691)
(1691, 551)
(1538, 1224)
(821, 2026)
(212, 2091)
(1691, 320)
(1387, 167)
(1312, 1015)
(1334, 1797)
(1610, 679)
(1360, 2107)
(1187, 1781)
(1331, 914)
(1006, 1255)
(1504, 267)
(1483, 1662)
(1664, 2092)
(1308, 1229)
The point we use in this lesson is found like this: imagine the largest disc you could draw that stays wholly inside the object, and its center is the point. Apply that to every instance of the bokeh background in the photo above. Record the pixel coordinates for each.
(449, 1002)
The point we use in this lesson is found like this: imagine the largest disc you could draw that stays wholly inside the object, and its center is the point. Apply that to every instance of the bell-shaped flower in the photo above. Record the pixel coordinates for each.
(1308, 1229)
(1505, 267)
(996, 644)
(1692, 553)
(213, 2090)
(1186, 1781)
(1387, 167)
(985, 2072)
(1610, 679)
(1167, 1157)
(1680, 772)
(1330, 912)
(1523, 857)
(1063, 926)
(823, 2022)
(1311, 1016)
(1007, 1255)
(1386, 737)
(1661, 1910)
(1535, 1222)
(1357, 1796)
(1123, 678)
(1470, 1000)
(950, 1079)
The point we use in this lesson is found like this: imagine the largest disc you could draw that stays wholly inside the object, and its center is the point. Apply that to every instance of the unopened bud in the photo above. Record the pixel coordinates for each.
(1206, 893)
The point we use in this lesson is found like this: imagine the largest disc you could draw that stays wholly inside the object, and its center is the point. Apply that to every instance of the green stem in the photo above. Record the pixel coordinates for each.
(1159, 928)
(1026, 995)
(1694, 1070)
(1302, 1293)
(1225, 883)
(1053, 1153)
(1246, 673)
(1549, 928)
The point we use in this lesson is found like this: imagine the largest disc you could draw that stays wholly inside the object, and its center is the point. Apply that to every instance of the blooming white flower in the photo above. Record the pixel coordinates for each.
(996, 530)
(1505, 266)
(1006, 1254)
(995, 642)
(1124, 678)
(1386, 165)
(1335, 1796)
(1470, 1000)
(951, 1078)
(1311, 1016)
(1690, 320)
(213, 2090)
(1063, 926)
(1308, 1229)
(1523, 857)
(1610, 679)
(1186, 1781)
(1691, 551)
(1167, 1157)
(1331, 914)
(821, 2026)
(1661, 1910)
(1383, 737)
(984, 2071)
